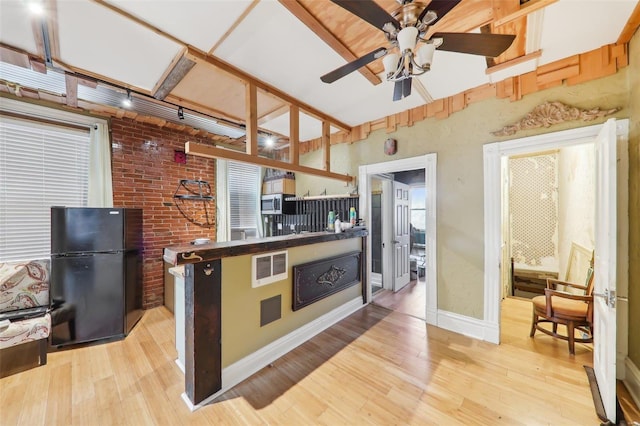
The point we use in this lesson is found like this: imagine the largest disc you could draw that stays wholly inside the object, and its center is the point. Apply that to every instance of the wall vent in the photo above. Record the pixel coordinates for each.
(269, 267)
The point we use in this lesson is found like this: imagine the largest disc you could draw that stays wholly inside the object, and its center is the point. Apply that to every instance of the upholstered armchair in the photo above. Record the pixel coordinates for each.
(25, 285)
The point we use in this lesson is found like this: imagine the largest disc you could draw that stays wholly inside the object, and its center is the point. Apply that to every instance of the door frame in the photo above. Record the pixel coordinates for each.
(493, 154)
(427, 162)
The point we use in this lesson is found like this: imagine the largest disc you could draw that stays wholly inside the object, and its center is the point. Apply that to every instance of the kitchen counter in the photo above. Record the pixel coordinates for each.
(233, 320)
(191, 253)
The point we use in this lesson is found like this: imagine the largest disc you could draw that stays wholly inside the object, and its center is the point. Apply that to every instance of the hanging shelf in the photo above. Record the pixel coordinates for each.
(193, 199)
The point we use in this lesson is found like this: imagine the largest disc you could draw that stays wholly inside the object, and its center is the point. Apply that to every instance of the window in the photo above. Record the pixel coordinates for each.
(41, 165)
(244, 193)
(418, 199)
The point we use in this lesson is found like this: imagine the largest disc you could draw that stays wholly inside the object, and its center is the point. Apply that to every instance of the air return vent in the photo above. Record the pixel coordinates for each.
(269, 267)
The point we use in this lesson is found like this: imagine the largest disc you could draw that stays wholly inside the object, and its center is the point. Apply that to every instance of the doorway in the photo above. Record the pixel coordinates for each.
(548, 218)
(398, 219)
(611, 253)
(368, 177)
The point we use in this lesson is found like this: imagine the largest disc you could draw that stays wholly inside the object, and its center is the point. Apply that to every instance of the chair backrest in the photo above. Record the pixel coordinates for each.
(24, 284)
(590, 274)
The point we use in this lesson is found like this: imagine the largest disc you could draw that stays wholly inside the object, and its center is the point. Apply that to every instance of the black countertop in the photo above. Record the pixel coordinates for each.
(190, 253)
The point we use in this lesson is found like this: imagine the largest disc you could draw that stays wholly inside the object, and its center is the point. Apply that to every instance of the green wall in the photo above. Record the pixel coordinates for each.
(241, 331)
(458, 141)
(634, 200)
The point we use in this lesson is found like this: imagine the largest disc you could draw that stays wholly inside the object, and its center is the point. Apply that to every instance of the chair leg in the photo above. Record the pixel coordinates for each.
(571, 335)
(43, 351)
(534, 321)
(555, 328)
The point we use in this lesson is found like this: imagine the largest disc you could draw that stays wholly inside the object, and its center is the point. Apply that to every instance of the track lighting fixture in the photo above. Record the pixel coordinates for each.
(180, 113)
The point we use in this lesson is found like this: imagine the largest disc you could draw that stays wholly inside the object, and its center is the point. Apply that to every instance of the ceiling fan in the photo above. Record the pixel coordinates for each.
(404, 28)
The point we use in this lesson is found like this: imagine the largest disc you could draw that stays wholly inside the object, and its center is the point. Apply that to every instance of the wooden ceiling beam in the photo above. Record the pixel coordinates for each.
(631, 26)
(422, 91)
(527, 8)
(71, 83)
(209, 151)
(198, 55)
(238, 21)
(273, 114)
(299, 11)
(175, 72)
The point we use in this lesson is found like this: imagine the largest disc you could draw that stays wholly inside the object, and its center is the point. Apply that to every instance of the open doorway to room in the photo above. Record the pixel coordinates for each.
(548, 232)
(380, 182)
(609, 142)
(548, 218)
(406, 295)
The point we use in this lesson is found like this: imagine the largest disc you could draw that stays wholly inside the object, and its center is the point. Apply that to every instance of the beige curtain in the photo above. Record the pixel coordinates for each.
(100, 193)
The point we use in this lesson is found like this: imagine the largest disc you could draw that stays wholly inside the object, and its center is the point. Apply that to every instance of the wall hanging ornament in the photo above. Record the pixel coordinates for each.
(195, 201)
(390, 146)
(550, 113)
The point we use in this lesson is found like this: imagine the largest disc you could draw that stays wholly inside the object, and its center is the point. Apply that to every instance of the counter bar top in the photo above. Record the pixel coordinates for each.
(191, 253)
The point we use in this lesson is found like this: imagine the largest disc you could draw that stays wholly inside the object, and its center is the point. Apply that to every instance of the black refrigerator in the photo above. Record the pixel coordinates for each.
(96, 273)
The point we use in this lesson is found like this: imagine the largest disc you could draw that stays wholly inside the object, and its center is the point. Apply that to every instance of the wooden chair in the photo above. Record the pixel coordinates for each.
(575, 311)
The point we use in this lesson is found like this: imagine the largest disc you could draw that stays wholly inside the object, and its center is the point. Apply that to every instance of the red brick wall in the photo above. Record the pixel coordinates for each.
(146, 176)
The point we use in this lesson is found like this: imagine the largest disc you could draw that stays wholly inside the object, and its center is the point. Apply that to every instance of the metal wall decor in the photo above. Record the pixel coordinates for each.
(194, 199)
(550, 113)
(316, 280)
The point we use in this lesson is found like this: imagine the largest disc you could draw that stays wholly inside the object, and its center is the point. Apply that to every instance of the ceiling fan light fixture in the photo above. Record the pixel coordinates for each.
(425, 56)
(407, 39)
(390, 63)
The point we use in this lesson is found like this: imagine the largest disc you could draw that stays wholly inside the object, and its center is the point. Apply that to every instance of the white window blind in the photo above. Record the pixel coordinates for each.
(41, 165)
(244, 191)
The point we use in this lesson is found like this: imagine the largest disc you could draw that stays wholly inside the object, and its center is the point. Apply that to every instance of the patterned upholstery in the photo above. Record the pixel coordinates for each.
(24, 331)
(24, 285)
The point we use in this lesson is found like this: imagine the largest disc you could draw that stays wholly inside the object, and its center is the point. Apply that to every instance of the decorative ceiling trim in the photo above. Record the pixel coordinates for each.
(550, 113)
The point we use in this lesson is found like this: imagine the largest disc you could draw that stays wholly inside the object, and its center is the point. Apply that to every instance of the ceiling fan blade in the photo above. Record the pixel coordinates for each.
(354, 65)
(475, 44)
(397, 91)
(406, 87)
(440, 7)
(402, 89)
(369, 11)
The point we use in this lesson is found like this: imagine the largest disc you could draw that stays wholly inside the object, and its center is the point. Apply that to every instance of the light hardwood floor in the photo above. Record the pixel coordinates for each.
(375, 367)
(410, 300)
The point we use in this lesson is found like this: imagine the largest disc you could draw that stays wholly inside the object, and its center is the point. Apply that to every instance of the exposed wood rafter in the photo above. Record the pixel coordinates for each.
(180, 66)
(198, 55)
(238, 21)
(71, 82)
(277, 112)
(631, 26)
(316, 26)
(516, 61)
(208, 151)
(527, 8)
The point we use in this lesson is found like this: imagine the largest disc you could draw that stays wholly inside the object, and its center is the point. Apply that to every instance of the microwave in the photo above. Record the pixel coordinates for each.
(277, 204)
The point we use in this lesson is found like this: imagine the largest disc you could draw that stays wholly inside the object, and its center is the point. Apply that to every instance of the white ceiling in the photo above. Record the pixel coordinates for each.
(274, 46)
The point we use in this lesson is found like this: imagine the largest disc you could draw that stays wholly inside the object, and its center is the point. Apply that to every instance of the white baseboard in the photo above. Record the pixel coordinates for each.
(180, 365)
(251, 364)
(632, 380)
(432, 317)
(462, 324)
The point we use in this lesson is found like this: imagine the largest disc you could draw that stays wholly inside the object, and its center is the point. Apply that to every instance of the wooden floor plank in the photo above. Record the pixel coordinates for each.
(376, 367)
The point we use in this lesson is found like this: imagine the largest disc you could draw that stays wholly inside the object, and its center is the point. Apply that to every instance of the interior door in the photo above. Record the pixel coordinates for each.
(604, 354)
(401, 235)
